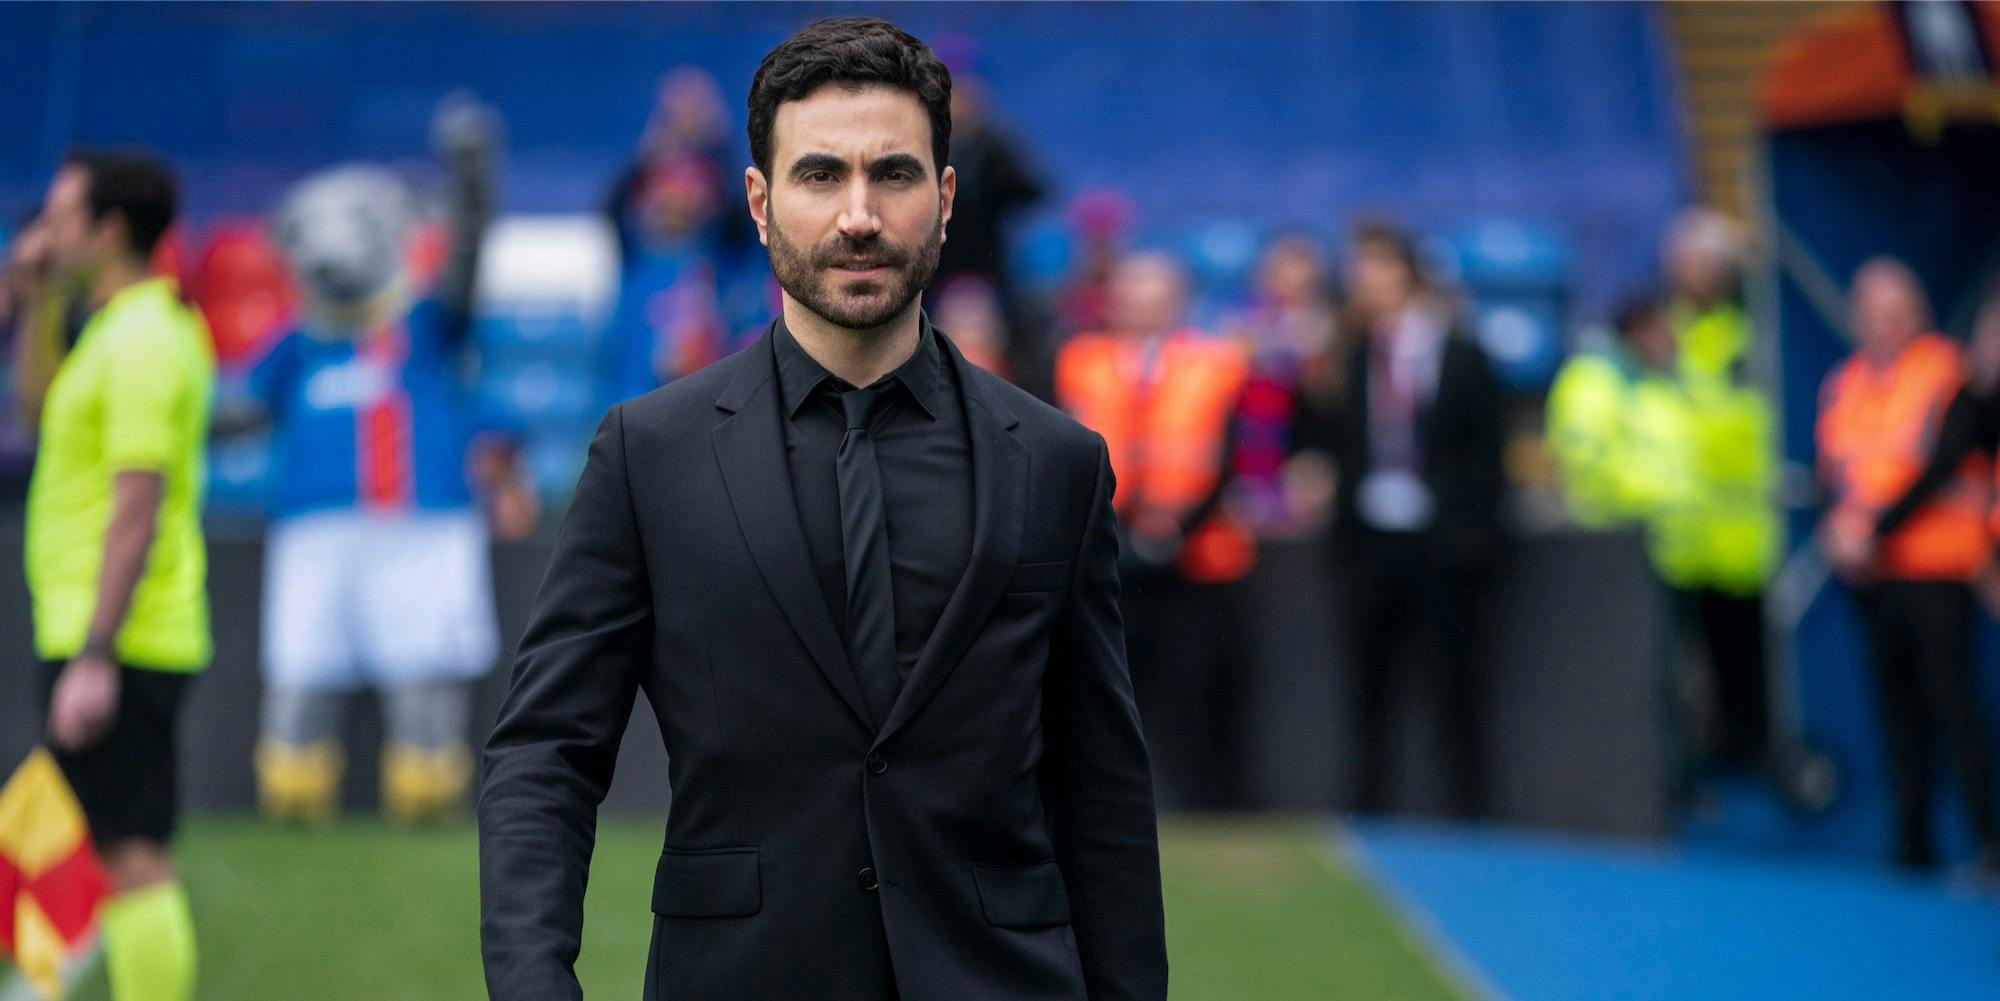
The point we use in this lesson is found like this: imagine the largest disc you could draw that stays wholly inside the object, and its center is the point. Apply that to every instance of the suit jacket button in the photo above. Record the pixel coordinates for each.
(877, 764)
(868, 881)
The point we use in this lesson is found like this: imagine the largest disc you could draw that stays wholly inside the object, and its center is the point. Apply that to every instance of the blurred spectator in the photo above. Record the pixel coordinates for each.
(1413, 423)
(1972, 423)
(1703, 250)
(1635, 446)
(1617, 426)
(1730, 530)
(1880, 413)
(377, 570)
(969, 309)
(668, 320)
(1291, 324)
(1100, 220)
(242, 287)
(996, 183)
(1969, 429)
(685, 276)
(1164, 398)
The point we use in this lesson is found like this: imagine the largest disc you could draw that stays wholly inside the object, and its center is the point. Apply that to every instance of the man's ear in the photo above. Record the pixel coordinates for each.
(758, 192)
(114, 230)
(947, 191)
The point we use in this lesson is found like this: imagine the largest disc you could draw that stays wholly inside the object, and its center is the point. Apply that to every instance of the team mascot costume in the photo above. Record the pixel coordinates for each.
(385, 473)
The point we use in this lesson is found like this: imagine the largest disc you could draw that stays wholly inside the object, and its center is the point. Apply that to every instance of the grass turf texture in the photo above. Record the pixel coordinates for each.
(1257, 910)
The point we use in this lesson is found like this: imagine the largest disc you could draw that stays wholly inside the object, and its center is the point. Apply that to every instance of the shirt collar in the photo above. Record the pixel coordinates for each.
(799, 376)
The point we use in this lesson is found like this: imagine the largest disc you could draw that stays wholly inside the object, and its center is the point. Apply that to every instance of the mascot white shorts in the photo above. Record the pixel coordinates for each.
(353, 598)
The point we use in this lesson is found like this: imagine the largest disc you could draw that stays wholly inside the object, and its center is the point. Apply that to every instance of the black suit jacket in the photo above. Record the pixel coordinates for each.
(1003, 810)
(1462, 434)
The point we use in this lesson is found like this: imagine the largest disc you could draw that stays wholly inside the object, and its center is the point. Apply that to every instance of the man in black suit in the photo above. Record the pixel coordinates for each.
(879, 626)
(1414, 422)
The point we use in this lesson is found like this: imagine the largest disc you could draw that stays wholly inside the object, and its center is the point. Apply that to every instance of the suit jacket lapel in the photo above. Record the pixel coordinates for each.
(999, 506)
(750, 448)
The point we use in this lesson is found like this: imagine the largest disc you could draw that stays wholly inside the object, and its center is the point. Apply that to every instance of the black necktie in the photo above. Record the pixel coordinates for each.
(864, 537)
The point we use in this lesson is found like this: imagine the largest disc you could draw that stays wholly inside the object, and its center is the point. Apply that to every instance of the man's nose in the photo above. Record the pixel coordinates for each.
(858, 217)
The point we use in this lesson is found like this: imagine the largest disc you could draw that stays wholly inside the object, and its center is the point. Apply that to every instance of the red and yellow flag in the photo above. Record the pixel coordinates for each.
(50, 882)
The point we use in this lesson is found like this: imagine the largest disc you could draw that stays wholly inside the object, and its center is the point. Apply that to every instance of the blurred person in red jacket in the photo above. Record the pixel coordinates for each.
(1165, 397)
(1911, 562)
(1289, 327)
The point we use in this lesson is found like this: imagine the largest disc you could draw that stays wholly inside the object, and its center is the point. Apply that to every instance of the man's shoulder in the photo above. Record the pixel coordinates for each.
(690, 397)
(163, 338)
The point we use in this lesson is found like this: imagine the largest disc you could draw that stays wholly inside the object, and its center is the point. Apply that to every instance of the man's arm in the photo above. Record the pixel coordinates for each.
(1096, 780)
(1958, 434)
(141, 437)
(39, 348)
(549, 760)
(86, 695)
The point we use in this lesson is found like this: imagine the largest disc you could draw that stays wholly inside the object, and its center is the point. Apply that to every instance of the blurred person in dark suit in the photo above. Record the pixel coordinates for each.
(1911, 555)
(1413, 422)
(870, 591)
(997, 182)
(1165, 397)
(996, 178)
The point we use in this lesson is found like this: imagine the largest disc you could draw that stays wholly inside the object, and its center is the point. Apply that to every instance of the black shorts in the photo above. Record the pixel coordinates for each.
(126, 781)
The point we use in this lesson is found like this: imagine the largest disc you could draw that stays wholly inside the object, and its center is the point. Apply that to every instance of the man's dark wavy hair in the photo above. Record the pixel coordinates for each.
(851, 52)
(136, 184)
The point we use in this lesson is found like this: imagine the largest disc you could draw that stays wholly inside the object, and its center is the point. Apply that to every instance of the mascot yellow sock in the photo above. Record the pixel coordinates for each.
(424, 784)
(149, 944)
(299, 782)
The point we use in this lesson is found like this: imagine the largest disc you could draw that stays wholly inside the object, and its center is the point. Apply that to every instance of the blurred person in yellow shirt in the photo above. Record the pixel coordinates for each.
(1637, 446)
(1617, 426)
(1732, 533)
(116, 564)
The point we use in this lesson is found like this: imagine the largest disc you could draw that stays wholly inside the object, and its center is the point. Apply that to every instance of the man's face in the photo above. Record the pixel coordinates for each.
(1696, 271)
(1378, 280)
(854, 212)
(1147, 293)
(1653, 341)
(66, 223)
(1888, 312)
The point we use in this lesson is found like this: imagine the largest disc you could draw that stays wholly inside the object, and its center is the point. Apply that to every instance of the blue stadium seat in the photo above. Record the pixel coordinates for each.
(1517, 278)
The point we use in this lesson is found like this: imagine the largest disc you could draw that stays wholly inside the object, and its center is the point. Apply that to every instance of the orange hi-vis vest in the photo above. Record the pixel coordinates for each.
(1876, 426)
(1164, 424)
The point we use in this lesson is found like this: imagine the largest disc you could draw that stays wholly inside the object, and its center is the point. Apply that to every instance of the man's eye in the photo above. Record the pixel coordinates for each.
(818, 177)
(899, 177)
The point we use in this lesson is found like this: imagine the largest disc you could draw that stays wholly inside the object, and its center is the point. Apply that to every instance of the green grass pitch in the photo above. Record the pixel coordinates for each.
(1257, 910)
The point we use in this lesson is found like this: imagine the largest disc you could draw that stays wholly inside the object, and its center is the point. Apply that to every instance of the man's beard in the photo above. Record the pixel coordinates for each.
(854, 304)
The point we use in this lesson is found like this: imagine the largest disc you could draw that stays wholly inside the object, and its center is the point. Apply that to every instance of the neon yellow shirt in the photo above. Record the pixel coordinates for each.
(133, 395)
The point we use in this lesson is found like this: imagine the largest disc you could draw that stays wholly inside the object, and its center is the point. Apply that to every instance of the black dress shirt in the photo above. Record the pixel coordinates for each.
(926, 462)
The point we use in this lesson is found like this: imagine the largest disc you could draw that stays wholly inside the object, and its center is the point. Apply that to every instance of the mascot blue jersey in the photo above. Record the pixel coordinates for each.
(380, 423)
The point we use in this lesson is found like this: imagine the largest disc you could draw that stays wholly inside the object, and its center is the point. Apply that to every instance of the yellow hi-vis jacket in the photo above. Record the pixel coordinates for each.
(1693, 466)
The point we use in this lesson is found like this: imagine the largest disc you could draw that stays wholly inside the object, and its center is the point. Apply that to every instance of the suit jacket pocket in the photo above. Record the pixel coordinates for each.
(1022, 896)
(1038, 577)
(712, 883)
